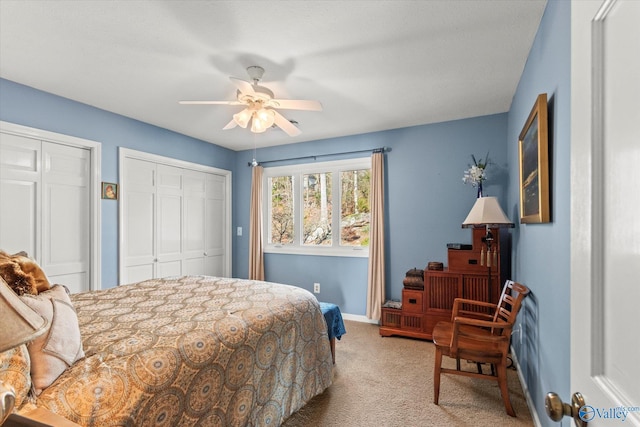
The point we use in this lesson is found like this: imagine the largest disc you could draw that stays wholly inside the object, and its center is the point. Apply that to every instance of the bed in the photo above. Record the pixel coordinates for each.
(193, 351)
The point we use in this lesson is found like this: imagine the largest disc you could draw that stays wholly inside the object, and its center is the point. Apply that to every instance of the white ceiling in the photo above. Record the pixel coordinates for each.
(374, 65)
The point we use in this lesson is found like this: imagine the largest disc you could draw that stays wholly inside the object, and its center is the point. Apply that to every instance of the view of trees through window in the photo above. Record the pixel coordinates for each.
(354, 208)
(316, 219)
(282, 209)
(318, 208)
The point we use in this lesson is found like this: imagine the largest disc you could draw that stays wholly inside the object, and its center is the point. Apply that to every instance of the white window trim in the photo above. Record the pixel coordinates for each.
(298, 170)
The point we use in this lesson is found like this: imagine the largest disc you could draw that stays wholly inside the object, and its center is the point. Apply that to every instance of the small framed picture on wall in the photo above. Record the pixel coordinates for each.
(109, 191)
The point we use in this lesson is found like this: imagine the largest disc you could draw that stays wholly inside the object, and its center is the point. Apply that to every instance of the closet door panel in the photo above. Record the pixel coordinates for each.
(139, 219)
(194, 225)
(194, 266)
(190, 235)
(170, 268)
(138, 273)
(66, 227)
(169, 234)
(18, 220)
(169, 229)
(214, 265)
(214, 225)
(20, 184)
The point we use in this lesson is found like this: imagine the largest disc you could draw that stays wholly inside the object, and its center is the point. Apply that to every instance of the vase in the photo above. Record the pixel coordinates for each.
(479, 189)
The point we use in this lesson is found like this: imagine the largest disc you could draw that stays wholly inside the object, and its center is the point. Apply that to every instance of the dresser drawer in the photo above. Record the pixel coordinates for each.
(412, 301)
(465, 261)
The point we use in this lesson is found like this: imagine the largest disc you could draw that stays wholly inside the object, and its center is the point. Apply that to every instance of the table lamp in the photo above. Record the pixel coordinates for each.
(20, 324)
(486, 212)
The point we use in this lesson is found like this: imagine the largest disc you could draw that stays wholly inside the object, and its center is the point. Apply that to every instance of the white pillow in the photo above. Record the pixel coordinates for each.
(61, 345)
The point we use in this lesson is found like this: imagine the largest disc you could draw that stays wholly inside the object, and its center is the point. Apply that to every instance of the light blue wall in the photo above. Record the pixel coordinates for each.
(425, 197)
(426, 202)
(541, 252)
(30, 107)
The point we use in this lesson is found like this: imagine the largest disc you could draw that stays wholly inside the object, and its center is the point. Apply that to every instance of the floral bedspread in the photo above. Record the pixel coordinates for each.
(194, 351)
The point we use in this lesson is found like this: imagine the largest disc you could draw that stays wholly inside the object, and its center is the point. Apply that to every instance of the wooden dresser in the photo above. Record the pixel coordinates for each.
(465, 277)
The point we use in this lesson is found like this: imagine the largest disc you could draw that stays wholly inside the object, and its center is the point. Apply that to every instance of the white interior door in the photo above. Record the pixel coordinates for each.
(195, 219)
(169, 227)
(175, 218)
(605, 231)
(204, 223)
(48, 194)
(139, 219)
(215, 237)
(50, 203)
(66, 183)
(20, 190)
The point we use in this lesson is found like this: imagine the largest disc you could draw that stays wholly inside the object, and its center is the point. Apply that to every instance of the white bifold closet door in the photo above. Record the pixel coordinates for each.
(45, 208)
(138, 193)
(204, 218)
(173, 221)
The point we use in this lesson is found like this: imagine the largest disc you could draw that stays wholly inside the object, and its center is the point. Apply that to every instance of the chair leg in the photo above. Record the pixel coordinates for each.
(504, 390)
(436, 375)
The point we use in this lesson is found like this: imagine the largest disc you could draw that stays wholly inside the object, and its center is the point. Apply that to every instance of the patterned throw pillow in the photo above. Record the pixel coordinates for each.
(61, 345)
(14, 372)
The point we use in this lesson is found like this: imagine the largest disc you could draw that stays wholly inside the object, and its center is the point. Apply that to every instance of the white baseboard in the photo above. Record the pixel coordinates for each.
(359, 318)
(525, 390)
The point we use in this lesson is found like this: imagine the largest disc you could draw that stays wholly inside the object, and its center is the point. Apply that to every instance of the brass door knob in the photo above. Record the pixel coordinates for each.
(556, 408)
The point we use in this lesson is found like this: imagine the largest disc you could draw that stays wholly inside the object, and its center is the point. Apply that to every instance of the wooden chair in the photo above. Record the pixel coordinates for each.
(480, 332)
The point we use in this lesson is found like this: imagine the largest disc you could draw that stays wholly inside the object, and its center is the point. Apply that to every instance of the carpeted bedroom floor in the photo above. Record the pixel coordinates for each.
(389, 382)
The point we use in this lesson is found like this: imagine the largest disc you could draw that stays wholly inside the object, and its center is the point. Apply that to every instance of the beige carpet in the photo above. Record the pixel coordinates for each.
(389, 382)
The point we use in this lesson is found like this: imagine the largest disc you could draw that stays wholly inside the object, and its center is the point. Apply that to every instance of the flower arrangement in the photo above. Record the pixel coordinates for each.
(476, 174)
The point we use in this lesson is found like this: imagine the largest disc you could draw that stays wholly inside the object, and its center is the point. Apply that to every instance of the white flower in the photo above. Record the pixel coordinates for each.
(476, 173)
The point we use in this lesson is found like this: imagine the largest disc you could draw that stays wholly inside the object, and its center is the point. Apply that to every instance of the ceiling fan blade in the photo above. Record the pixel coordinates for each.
(296, 104)
(285, 124)
(210, 102)
(243, 86)
(230, 125)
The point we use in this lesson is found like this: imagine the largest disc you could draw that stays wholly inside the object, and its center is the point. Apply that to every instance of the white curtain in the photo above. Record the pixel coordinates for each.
(256, 257)
(375, 291)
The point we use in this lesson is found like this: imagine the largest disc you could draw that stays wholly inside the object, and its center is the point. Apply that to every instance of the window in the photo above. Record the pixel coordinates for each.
(318, 208)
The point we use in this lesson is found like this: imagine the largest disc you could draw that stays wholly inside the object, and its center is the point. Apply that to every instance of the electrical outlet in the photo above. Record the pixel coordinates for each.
(316, 288)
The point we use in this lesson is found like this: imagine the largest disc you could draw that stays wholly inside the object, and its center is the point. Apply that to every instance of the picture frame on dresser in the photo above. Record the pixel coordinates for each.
(533, 149)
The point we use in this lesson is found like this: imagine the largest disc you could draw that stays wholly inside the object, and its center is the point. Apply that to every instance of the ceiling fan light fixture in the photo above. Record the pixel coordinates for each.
(263, 119)
(242, 118)
(266, 116)
(261, 106)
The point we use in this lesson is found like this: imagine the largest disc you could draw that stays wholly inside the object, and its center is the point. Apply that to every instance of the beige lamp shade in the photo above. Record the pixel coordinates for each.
(487, 212)
(20, 323)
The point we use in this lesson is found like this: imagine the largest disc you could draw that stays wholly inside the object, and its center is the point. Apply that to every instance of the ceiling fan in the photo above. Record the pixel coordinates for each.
(260, 105)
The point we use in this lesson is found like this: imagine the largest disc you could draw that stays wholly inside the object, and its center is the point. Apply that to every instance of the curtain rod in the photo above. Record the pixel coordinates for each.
(371, 150)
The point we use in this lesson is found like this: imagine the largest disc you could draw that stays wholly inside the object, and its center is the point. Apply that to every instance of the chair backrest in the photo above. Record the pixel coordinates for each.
(508, 306)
